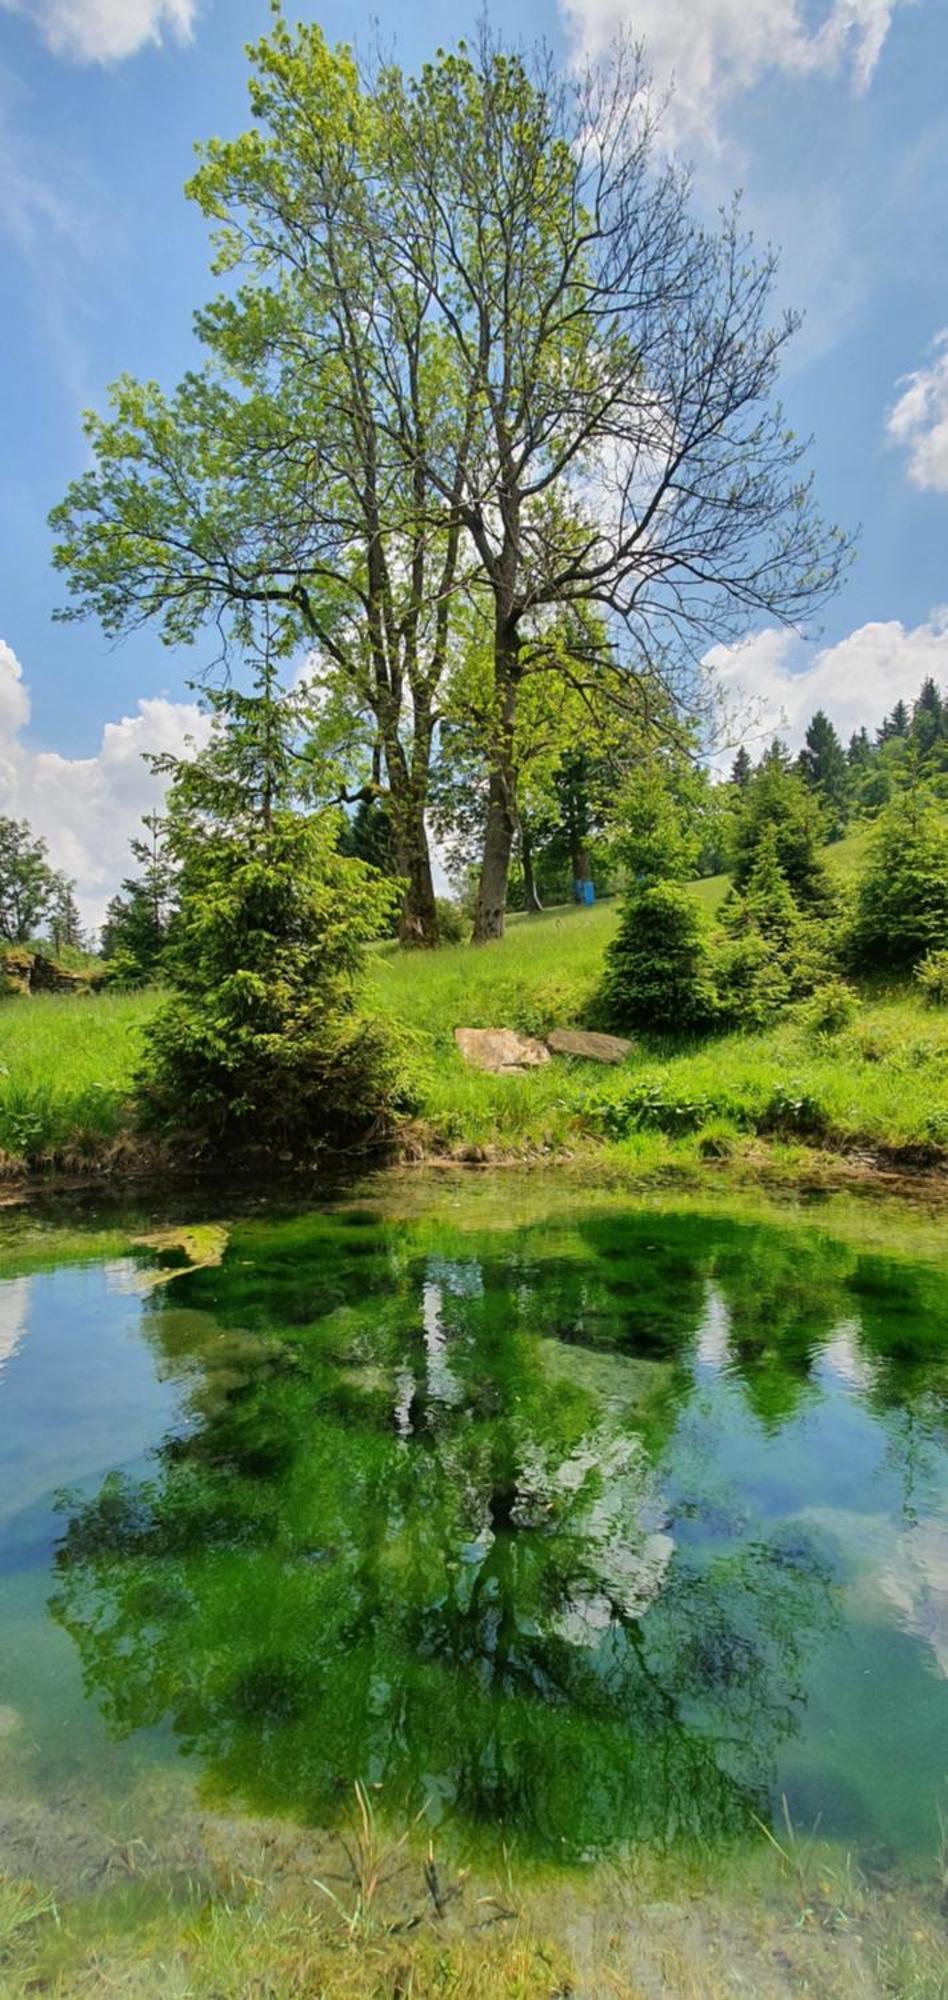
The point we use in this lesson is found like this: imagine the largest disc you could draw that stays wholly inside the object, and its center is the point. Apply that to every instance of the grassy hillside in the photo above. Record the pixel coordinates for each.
(67, 1064)
(882, 1084)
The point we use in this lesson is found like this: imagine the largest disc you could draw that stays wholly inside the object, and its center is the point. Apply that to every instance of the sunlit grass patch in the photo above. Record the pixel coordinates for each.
(881, 1083)
(66, 1068)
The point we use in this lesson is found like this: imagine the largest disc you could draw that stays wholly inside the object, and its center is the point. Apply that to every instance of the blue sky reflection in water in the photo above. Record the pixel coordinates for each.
(585, 1532)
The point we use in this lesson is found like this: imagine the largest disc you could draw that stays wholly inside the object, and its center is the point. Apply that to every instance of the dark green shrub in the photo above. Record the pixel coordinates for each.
(260, 1047)
(658, 975)
(902, 900)
(453, 925)
(647, 1104)
(792, 1112)
(830, 1009)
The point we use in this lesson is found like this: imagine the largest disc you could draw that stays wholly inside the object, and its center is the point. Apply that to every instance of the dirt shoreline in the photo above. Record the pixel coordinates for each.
(152, 1172)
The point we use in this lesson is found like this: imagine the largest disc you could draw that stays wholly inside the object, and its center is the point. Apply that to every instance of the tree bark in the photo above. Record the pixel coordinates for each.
(531, 894)
(501, 827)
(418, 917)
(407, 797)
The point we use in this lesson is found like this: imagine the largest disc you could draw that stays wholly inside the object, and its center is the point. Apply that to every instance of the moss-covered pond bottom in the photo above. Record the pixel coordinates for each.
(592, 1537)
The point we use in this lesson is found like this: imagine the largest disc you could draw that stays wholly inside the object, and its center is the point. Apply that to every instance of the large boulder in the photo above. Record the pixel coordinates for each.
(592, 1047)
(501, 1050)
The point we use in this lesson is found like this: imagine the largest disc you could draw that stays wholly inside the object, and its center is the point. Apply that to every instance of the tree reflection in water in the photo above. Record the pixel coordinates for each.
(416, 1526)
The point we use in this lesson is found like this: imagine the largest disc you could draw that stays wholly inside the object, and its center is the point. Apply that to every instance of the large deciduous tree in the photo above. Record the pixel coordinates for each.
(628, 456)
(292, 471)
(473, 345)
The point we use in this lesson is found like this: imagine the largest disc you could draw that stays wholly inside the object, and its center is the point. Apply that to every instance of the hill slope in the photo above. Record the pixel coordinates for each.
(67, 1064)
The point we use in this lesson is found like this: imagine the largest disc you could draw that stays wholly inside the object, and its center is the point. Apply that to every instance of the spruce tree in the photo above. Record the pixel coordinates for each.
(776, 953)
(138, 918)
(902, 900)
(928, 718)
(777, 800)
(896, 724)
(262, 1048)
(822, 766)
(658, 974)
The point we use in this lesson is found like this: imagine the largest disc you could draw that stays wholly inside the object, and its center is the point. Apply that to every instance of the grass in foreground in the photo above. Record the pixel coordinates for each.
(797, 1917)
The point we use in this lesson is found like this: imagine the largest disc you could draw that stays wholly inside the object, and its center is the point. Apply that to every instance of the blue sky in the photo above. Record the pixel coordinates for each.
(832, 118)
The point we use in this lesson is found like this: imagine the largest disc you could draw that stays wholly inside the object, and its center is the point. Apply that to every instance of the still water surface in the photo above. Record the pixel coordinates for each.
(583, 1529)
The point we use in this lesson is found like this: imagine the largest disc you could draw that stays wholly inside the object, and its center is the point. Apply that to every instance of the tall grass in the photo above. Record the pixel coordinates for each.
(66, 1067)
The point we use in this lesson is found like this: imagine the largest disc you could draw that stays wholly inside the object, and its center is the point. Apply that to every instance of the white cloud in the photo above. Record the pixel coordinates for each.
(88, 808)
(106, 30)
(781, 682)
(713, 50)
(918, 421)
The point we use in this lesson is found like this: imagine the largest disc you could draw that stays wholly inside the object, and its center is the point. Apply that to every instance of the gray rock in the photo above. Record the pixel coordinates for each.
(595, 1048)
(500, 1049)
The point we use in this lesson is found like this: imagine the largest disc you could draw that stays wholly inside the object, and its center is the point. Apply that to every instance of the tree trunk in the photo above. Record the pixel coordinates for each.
(407, 798)
(531, 894)
(501, 827)
(418, 917)
(579, 859)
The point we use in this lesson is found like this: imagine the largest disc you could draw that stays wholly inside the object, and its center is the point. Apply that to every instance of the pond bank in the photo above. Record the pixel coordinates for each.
(149, 1172)
(211, 1907)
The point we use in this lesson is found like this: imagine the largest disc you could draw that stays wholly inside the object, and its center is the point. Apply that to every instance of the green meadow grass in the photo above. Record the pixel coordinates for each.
(66, 1067)
(883, 1084)
(67, 1063)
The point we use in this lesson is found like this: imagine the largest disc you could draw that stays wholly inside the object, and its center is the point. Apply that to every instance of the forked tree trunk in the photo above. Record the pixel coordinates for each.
(418, 917)
(407, 787)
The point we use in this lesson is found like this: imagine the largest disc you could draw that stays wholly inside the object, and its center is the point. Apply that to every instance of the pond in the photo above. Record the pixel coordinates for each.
(571, 1520)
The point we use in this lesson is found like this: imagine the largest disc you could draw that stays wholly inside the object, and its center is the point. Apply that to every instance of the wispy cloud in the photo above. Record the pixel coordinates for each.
(53, 224)
(106, 30)
(918, 420)
(713, 51)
